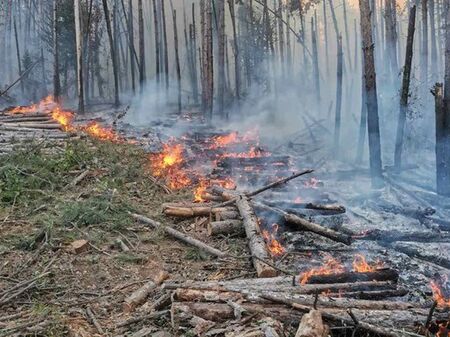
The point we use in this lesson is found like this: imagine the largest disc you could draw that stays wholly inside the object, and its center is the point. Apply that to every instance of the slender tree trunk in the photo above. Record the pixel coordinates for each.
(405, 90)
(177, 58)
(113, 53)
(237, 70)
(19, 59)
(391, 36)
(325, 29)
(315, 62)
(347, 38)
(288, 42)
(79, 52)
(56, 80)
(207, 59)
(193, 35)
(371, 95)
(141, 47)
(157, 42)
(424, 59)
(337, 117)
(131, 43)
(220, 10)
(281, 37)
(166, 51)
(435, 66)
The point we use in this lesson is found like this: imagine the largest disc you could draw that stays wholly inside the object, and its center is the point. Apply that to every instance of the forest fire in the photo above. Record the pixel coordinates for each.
(46, 105)
(333, 266)
(63, 117)
(96, 130)
(273, 245)
(204, 184)
(254, 152)
(168, 163)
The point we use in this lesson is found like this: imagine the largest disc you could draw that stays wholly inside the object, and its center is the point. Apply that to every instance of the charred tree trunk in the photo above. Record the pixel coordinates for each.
(19, 60)
(113, 53)
(177, 58)
(325, 28)
(207, 59)
(337, 120)
(434, 59)
(220, 12)
(371, 95)
(131, 44)
(405, 90)
(79, 52)
(56, 79)
(442, 101)
(193, 37)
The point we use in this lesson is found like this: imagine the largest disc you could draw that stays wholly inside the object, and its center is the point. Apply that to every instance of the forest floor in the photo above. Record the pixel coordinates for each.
(43, 214)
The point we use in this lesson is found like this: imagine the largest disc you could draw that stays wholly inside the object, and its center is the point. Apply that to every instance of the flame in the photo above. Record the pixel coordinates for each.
(273, 245)
(168, 164)
(204, 183)
(438, 293)
(63, 117)
(333, 266)
(222, 141)
(96, 130)
(45, 105)
(254, 152)
(360, 264)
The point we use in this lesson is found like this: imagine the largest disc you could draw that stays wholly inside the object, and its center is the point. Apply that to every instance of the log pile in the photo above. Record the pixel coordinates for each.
(16, 128)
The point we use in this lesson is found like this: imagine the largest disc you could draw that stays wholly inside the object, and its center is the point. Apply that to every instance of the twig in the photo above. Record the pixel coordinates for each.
(93, 320)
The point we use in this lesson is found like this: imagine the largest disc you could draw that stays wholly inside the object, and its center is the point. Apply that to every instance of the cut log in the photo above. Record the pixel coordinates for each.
(225, 227)
(386, 274)
(255, 241)
(178, 235)
(312, 325)
(196, 295)
(306, 225)
(141, 294)
(371, 295)
(187, 212)
(49, 126)
(256, 161)
(393, 236)
(226, 215)
(337, 209)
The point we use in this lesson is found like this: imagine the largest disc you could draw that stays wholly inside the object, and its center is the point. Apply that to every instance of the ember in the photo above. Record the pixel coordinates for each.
(360, 264)
(273, 245)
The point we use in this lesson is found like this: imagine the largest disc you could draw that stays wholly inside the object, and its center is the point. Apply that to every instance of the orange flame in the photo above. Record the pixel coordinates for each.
(205, 183)
(222, 141)
(438, 294)
(360, 264)
(168, 164)
(45, 105)
(273, 245)
(333, 266)
(63, 117)
(254, 152)
(96, 130)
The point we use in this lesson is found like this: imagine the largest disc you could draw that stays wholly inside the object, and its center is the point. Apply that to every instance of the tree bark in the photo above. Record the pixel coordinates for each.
(113, 53)
(435, 66)
(141, 46)
(391, 36)
(371, 95)
(424, 47)
(220, 12)
(337, 116)
(405, 90)
(19, 60)
(157, 43)
(315, 62)
(131, 44)
(166, 51)
(237, 66)
(79, 53)
(56, 80)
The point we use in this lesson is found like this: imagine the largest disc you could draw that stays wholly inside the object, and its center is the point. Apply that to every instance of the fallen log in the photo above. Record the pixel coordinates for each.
(309, 226)
(226, 215)
(140, 295)
(393, 236)
(385, 274)
(225, 227)
(371, 295)
(282, 285)
(413, 249)
(178, 235)
(254, 161)
(256, 243)
(26, 119)
(187, 212)
(49, 126)
(337, 209)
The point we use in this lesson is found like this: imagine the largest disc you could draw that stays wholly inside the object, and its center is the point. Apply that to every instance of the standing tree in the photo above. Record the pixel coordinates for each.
(141, 46)
(113, 53)
(56, 80)
(79, 51)
(220, 10)
(373, 126)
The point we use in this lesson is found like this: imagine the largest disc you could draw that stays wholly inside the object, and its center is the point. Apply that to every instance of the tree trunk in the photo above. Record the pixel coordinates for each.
(391, 36)
(347, 38)
(435, 66)
(208, 84)
(56, 80)
(220, 10)
(113, 53)
(166, 52)
(157, 42)
(424, 54)
(325, 29)
(131, 44)
(19, 60)
(405, 90)
(371, 95)
(177, 58)
(141, 46)
(79, 53)
(237, 70)
(337, 117)
(315, 62)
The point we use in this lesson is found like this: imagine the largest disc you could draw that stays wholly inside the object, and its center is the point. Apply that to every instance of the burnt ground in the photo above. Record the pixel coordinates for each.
(42, 214)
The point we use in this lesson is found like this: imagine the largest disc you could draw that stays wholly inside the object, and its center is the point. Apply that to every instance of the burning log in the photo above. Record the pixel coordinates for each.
(326, 209)
(371, 295)
(256, 243)
(45, 118)
(385, 274)
(178, 235)
(254, 161)
(225, 227)
(393, 236)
